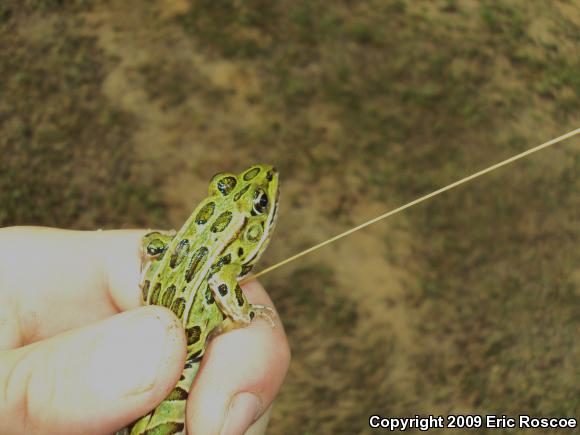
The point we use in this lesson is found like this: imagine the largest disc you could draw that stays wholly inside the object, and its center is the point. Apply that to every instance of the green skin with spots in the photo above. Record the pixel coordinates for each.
(195, 273)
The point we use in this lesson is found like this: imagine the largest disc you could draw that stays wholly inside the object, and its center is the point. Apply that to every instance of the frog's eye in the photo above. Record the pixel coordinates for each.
(260, 202)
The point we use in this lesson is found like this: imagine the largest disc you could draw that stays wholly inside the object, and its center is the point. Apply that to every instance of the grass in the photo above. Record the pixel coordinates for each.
(66, 150)
(323, 402)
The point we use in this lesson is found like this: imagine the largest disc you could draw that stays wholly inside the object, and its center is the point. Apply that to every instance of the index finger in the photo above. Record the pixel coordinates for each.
(54, 280)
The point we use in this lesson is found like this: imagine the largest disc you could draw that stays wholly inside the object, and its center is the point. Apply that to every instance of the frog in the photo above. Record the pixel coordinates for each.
(196, 273)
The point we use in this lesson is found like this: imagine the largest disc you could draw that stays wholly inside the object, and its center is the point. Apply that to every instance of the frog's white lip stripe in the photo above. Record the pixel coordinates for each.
(270, 223)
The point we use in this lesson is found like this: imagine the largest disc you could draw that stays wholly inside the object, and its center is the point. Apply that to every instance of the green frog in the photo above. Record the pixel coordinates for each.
(195, 273)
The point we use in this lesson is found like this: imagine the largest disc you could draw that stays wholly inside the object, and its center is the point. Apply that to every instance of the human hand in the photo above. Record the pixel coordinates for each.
(78, 353)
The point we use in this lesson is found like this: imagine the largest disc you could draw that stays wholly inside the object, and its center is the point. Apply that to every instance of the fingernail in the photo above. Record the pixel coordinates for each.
(129, 363)
(244, 409)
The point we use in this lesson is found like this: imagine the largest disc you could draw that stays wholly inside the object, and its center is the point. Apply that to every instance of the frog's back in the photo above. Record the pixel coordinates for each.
(212, 237)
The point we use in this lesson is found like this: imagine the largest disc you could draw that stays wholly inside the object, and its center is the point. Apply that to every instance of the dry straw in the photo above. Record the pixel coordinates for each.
(417, 201)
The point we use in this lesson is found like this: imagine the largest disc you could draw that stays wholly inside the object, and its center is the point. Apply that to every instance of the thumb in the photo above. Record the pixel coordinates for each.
(92, 380)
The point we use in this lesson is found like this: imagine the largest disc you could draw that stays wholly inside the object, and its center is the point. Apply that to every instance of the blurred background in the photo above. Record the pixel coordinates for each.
(116, 114)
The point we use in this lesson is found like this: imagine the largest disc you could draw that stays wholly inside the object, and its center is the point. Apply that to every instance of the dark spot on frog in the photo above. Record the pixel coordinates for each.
(205, 213)
(193, 334)
(226, 185)
(241, 192)
(209, 296)
(226, 259)
(223, 289)
(145, 289)
(168, 296)
(155, 294)
(240, 252)
(221, 222)
(239, 295)
(251, 174)
(181, 251)
(196, 261)
(195, 357)
(178, 306)
(177, 393)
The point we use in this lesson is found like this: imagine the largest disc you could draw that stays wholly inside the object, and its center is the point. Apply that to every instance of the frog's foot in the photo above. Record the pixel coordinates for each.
(232, 301)
(264, 312)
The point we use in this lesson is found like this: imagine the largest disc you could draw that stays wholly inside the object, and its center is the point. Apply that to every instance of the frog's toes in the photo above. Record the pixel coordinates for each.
(264, 312)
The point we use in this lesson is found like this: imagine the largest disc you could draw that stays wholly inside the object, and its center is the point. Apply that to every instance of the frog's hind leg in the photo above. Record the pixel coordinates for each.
(168, 418)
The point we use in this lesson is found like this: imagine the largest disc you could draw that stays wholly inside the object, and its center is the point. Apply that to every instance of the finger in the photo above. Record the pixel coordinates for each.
(261, 424)
(54, 280)
(240, 375)
(92, 380)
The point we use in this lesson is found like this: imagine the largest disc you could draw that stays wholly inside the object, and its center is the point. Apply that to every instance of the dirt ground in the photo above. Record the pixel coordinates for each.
(116, 114)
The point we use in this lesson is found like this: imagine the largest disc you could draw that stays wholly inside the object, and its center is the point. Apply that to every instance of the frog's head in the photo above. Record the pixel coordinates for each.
(254, 195)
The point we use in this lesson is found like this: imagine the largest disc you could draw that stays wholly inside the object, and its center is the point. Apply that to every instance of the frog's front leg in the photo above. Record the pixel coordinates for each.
(232, 301)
